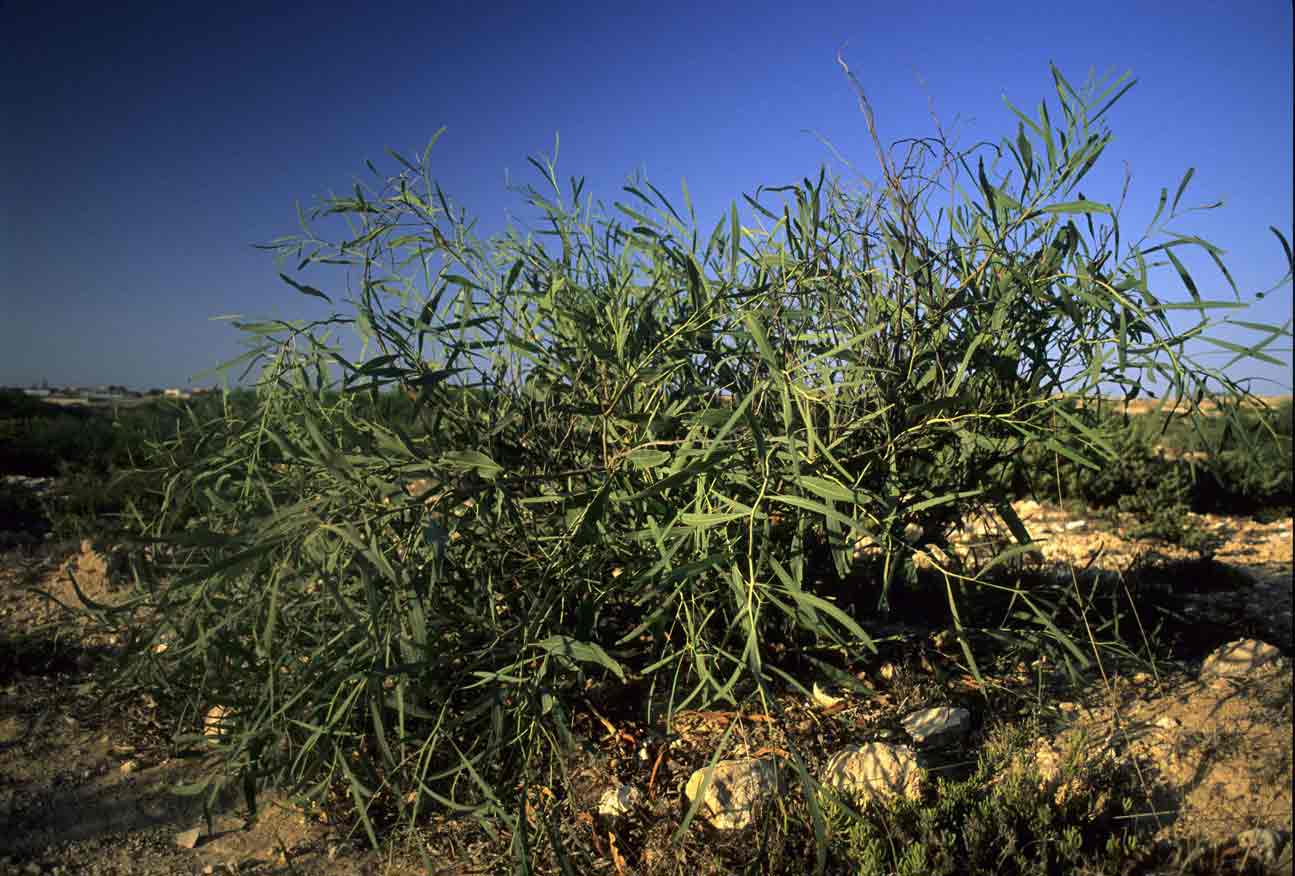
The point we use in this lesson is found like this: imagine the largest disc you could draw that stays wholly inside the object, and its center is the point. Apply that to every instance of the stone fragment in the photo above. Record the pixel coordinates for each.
(618, 801)
(930, 728)
(1238, 658)
(876, 770)
(823, 699)
(187, 839)
(736, 788)
(216, 722)
(1261, 844)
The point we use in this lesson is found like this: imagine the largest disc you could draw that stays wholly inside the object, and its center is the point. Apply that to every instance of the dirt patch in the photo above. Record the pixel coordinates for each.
(87, 782)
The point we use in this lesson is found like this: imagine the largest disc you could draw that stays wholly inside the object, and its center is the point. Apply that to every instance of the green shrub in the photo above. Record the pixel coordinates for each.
(36, 438)
(1225, 466)
(1000, 819)
(632, 448)
(21, 510)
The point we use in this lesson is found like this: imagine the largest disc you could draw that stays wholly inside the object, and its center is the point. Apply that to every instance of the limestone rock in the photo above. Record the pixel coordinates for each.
(1238, 658)
(736, 788)
(217, 722)
(876, 770)
(619, 800)
(823, 699)
(1261, 844)
(942, 725)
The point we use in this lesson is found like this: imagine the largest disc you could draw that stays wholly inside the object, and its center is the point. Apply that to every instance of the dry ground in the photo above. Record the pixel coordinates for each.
(85, 781)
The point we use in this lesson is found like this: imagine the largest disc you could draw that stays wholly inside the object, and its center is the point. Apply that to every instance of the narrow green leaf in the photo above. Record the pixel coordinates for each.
(1101, 112)
(1290, 259)
(1182, 186)
(988, 190)
(581, 652)
(709, 519)
(827, 489)
(735, 244)
(811, 601)
(1244, 352)
(1084, 207)
(304, 289)
(1186, 277)
(757, 331)
(1026, 152)
(473, 460)
(647, 457)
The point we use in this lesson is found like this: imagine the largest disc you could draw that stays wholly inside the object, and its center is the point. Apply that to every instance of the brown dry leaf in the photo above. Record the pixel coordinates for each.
(617, 858)
(660, 755)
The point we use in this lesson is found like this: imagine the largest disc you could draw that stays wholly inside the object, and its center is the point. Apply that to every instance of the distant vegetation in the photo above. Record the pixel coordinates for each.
(108, 463)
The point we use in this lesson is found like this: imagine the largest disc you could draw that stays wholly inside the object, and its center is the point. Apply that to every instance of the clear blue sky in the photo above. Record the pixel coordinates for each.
(145, 150)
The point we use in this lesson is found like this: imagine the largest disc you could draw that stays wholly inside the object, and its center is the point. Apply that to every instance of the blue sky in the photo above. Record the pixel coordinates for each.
(146, 149)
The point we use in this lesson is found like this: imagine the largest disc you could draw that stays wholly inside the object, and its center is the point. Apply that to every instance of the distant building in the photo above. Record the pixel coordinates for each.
(39, 393)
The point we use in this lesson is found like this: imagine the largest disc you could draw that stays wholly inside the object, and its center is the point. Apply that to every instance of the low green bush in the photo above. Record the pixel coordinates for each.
(1225, 467)
(21, 510)
(643, 459)
(1001, 819)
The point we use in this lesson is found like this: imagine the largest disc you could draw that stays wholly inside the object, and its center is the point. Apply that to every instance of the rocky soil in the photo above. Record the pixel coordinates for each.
(86, 780)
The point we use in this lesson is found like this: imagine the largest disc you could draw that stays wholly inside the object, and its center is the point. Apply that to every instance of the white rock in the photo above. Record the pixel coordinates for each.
(875, 771)
(1238, 658)
(1075, 525)
(736, 788)
(824, 700)
(216, 721)
(1026, 508)
(938, 726)
(1049, 761)
(1261, 844)
(619, 800)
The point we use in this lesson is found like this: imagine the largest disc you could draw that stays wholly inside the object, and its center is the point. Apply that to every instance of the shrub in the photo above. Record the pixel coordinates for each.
(1225, 467)
(629, 451)
(1001, 819)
